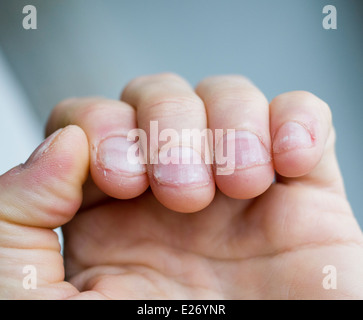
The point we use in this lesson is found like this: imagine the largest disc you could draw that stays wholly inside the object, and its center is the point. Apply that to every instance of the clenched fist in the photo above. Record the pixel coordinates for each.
(263, 224)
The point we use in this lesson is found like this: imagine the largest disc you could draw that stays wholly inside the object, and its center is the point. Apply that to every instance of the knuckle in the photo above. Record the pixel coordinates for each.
(150, 79)
(229, 79)
(230, 88)
(166, 76)
(89, 110)
(150, 86)
(237, 96)
(176, 107)
(307, 98)
(304, 99)
(101, 107)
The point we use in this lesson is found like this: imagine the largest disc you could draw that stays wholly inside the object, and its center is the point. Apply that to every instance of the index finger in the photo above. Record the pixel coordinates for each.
(106, 124)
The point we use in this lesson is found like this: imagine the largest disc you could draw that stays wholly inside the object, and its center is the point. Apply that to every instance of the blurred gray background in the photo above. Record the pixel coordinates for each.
(94, 47)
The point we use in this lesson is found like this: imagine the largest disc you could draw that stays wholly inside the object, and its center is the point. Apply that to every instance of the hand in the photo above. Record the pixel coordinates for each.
(193, 234)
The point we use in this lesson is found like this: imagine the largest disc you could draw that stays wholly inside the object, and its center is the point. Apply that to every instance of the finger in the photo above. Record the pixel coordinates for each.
(36, 197)
(106, 124)
(167, 105)
(303, 140)
(46, 191)
(237, 107)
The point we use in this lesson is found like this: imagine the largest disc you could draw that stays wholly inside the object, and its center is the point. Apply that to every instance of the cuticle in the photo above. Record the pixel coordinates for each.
(306, 127)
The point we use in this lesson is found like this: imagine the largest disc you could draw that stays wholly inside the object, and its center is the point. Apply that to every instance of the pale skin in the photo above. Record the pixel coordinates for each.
(142, 232)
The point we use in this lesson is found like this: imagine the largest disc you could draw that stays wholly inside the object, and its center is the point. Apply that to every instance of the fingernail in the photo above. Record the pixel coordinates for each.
(248, 151)
(113, 155)
(291, 135)
(42, 148)
(181, 166)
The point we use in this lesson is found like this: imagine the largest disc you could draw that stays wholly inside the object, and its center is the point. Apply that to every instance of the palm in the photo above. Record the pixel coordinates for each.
(232, 249)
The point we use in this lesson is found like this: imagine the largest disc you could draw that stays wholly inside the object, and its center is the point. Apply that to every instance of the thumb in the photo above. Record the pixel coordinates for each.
(46, 191)
(36, 197)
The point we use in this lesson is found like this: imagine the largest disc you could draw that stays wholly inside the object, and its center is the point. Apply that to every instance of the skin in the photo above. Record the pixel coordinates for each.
(131, 236)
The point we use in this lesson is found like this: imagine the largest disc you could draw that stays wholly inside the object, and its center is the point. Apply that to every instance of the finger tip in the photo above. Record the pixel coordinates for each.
(119, 185)
(184, 199)
(246, 183)
(296, 163)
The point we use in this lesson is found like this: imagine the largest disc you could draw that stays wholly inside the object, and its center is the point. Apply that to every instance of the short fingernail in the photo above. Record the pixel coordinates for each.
(291, 135)
(181, 166)
(113, 155)
(42, 149)
(248, 151)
